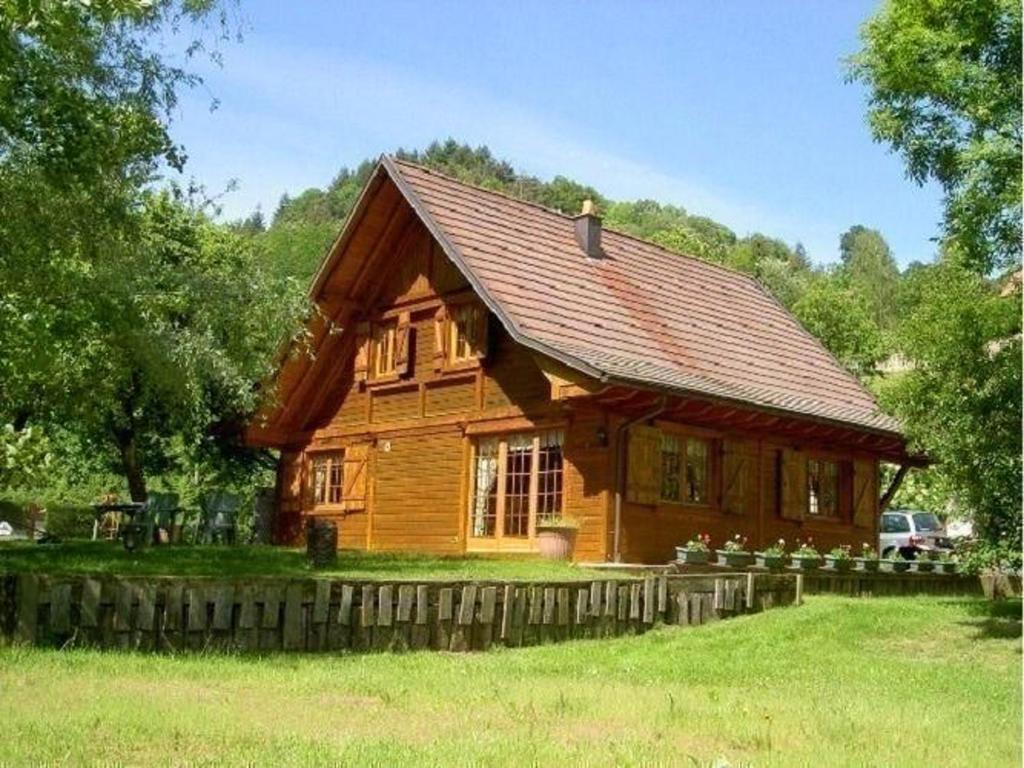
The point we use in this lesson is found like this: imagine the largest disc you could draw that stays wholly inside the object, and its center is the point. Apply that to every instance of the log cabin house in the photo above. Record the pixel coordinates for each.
(482, 364)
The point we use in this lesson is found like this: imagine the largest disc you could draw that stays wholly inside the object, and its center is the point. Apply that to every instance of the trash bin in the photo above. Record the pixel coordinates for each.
(321, 542)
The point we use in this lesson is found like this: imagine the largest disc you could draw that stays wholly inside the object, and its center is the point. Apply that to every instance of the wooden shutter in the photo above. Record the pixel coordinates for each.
(643, 469)
(794, 485)
(736, 477)
(355, 471)
(402, 333)
(361, 367)
(865, 494)
(440, 338)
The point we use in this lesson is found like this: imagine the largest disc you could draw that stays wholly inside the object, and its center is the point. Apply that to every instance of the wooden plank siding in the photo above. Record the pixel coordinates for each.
(418, 425)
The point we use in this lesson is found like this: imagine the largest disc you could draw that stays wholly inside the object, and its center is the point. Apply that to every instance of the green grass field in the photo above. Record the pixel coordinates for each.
(74, 557)
(895, 682)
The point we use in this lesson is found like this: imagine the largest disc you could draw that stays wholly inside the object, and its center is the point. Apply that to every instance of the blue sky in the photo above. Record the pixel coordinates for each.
(738, 111)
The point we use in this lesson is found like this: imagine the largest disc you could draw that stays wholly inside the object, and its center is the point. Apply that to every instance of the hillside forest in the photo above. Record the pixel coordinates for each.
(136, 324)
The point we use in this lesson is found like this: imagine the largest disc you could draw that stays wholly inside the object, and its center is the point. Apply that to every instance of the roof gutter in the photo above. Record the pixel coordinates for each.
(620, 472)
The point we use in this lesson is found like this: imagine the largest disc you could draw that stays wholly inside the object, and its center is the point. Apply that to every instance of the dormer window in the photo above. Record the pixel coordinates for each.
(464, 340)
(384, 349)
(461, 338)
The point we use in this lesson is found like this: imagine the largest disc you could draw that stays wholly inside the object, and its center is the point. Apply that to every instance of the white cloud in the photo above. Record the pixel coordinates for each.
(290, 118)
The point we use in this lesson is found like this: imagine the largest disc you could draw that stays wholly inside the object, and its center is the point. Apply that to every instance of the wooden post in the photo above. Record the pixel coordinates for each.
(60, 608)
(750, 591)
(293, 636)
(799, 600)
(442, 638)
(28, 608)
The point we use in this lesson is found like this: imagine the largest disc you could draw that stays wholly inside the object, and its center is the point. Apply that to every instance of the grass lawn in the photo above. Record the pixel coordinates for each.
(924, 681)
(73, 557)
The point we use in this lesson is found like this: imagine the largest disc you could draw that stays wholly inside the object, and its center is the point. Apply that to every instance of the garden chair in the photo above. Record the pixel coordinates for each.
(138, 531)
(165, 508)
(156, 514)
(219, 510)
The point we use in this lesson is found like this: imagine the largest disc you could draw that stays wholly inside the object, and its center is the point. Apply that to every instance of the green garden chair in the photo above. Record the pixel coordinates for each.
(157, 513)
(219, 511)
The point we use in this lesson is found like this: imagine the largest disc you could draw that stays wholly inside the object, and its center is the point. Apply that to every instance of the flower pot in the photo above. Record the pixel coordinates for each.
(841, 564)
(868, 565)
(556, 542)
(692, 556)
(771, 562)
(896, 566)
(805, 562)
(948, 566)
(734, 559)
(924, 566)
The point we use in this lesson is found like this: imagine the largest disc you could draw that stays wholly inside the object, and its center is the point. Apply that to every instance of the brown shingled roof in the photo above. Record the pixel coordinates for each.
(642, 315)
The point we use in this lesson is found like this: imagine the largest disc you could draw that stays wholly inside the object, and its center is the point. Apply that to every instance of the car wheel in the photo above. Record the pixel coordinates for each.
(887, 553)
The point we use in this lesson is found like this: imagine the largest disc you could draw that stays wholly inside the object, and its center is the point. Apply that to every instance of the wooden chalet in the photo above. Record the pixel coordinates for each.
(483, 363)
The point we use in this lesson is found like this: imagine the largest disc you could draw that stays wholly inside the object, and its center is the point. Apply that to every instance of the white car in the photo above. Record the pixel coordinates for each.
(909, 531)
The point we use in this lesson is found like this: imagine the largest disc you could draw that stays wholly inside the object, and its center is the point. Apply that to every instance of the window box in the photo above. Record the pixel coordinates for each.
(896, 565)
(841, 564)
(734, 558)
(867, 564)
(692, 556)
(771, 562)
(805, 562)
(923, 564)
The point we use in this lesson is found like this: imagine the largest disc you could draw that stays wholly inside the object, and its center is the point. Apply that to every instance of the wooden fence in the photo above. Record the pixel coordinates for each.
(858, 584)
(176, 614)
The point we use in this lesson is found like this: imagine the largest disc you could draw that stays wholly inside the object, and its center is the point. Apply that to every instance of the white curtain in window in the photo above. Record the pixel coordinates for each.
(486, 478)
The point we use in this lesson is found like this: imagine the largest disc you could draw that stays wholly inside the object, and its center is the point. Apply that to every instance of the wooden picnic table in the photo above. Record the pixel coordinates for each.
(130, 508)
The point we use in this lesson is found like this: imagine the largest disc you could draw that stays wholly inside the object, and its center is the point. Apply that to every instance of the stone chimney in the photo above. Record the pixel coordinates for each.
(588, 231)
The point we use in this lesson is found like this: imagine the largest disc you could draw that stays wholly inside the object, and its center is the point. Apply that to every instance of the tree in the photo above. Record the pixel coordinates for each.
(945, 92)
(183, 323)
(841, 318)
(125, 315)
(869, 267)
(961, 397)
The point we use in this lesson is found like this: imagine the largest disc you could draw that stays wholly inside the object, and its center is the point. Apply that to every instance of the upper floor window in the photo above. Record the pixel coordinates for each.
(384, 349)
(464, 332)
(461, 335)
(822, 488)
